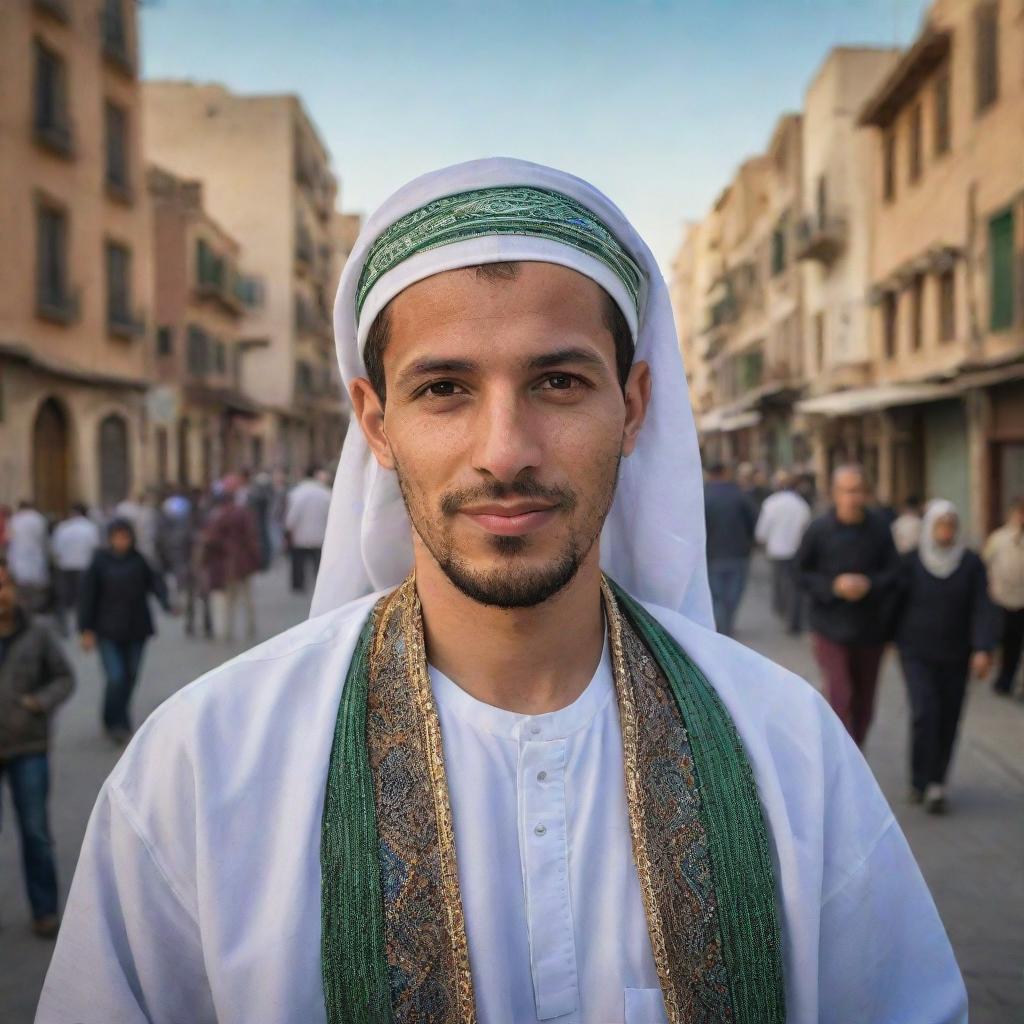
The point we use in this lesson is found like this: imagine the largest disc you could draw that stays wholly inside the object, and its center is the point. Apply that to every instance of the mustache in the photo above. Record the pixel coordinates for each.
(528, 487)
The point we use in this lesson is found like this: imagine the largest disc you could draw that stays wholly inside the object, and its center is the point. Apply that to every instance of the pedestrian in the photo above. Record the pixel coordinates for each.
(780, 527)
(113, 614)
(306, 525)
(946, 632)
(143, 516)
(730, 520)
(28, 556)
(1004, 556)
(502, 789)
(230, 555)
(73, 544)
(259, 501)
(849, 567)
(35, 679)
(906, 529)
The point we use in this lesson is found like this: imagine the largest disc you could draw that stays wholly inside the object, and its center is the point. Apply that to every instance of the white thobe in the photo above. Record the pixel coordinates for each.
(781, 523)
(306, 517)
(197, 893)
(74, 543)
(26, 549)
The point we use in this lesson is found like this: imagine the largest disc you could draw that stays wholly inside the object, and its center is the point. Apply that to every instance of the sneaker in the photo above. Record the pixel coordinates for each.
(935, 799)
(46, 927)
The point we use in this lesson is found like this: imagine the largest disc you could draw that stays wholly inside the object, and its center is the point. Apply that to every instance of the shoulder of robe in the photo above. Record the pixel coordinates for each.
(276, 694)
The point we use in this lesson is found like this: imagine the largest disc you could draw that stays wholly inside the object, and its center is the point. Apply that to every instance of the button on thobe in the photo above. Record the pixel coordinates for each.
(554, 915)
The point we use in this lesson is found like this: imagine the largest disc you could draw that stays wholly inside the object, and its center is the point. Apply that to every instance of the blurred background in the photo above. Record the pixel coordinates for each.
(834, 191)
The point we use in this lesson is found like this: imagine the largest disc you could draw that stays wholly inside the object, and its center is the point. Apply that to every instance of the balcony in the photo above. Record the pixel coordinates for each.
(118, 189)
(56, 136)
(305, 253)
(122, 324)
(311, 319)
(821, 238)
(59, 307)
(114, 40)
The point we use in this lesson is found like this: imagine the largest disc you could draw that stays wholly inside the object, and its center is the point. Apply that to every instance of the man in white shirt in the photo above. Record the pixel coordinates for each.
(508, 772)
(73, 544)
(28, 554)
(305, 523)
(780, 527)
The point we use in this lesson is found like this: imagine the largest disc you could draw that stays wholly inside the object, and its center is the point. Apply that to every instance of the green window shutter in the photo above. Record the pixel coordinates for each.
(1000, 245)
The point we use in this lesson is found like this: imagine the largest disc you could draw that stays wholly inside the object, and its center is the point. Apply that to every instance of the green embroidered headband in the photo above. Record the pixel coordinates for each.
(503, 210)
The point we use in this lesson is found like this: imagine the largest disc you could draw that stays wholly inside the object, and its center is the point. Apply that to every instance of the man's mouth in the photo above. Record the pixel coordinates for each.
(514, 519)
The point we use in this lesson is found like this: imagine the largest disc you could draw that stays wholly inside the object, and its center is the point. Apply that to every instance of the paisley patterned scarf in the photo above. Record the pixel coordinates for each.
(394, 943)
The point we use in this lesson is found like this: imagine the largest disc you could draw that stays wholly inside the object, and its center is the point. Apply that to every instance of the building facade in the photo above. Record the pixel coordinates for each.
(203, 424)
(947, 261)
(266, 179)
(74, 310)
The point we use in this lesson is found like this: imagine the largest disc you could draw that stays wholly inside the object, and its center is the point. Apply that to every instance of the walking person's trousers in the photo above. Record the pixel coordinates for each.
(1012, 643)
(299, 557)
(851, 678)
(728, 579)
(121, 663)
(936, 690)
(29, 780)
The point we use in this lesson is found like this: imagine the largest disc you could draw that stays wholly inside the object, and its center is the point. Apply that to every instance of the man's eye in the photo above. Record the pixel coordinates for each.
(441, 389)
(559, 381)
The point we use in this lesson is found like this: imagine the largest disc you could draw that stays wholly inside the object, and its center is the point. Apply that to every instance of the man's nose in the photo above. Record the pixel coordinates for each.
(508, 436)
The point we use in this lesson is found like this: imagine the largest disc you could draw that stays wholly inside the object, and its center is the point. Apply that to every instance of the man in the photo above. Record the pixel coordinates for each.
(849, 566)
(34, 679)
(306, 525)
(506, 791)
(73, 544)
(906, 530)
(1004, 557)
(28, 555)
(730, 520)
(780, 526)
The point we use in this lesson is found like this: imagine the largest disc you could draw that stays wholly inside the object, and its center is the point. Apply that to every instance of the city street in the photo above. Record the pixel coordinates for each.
(972, 859)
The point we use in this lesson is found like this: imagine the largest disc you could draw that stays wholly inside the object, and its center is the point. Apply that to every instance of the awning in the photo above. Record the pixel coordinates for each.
(847, 403)
(720, 421)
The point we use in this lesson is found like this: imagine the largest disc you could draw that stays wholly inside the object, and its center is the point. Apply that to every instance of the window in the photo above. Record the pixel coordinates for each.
(221, 357)
(52, 126)
(119, 294)
(947, 305)
(986, 56)
(917, 312)
(114, 30)
(209, 266)
(1000, 247)
(53, 298)
(779, 248)
(821, 200)
(819, 339)
(890, 324)
(196, 351)
(164, 341)
(116, 121)
(942, 124)
(914, 141)
(889, 166)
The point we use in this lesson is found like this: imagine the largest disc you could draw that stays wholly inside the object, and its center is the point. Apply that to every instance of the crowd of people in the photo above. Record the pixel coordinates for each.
(862, 576)
(194, 551)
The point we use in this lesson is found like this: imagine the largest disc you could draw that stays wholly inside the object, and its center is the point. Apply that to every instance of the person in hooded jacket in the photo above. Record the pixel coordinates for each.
(946, 632)
(114, 615)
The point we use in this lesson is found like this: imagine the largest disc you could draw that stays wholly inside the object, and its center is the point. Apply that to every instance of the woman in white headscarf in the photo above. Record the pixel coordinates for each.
(946, 633)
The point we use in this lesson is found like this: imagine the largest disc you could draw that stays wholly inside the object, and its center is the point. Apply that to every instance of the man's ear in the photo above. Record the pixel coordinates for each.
(638, 398)
(369, 413)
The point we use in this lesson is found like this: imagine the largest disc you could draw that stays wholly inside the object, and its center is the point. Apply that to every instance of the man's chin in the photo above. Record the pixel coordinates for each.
(507, 581)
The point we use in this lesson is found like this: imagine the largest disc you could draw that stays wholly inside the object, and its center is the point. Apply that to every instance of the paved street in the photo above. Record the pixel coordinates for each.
(973, 859)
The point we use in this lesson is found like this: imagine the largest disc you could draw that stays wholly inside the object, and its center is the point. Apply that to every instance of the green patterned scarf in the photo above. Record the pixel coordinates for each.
(394, 945)
(505, 210)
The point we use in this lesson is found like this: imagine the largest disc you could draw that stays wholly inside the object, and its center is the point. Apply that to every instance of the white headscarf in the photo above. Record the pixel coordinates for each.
(940, 561)
(653, 538)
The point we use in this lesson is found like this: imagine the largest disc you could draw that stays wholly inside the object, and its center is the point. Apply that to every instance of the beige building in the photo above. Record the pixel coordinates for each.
(834, 246)
(203, 425)
(947, 323)
(75, 277)
(266, 179)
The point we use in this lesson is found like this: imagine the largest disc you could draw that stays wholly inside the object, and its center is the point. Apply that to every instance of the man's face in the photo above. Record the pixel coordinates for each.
(849, 494)
(505, 422)
(120, 541)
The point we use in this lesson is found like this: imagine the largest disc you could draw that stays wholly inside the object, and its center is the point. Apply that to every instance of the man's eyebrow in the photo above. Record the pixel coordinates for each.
(566, 355)
(425, 367)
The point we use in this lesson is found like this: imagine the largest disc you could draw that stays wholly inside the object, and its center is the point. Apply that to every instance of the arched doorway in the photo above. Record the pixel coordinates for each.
(115, 478)
(50, 459)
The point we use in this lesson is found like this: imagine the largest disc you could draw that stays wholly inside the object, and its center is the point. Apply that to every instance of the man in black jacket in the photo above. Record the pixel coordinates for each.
(34, 679)
(730, 517)
(848, 564)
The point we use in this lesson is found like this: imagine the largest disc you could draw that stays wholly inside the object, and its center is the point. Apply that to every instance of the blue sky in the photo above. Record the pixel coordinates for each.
(655, 101)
